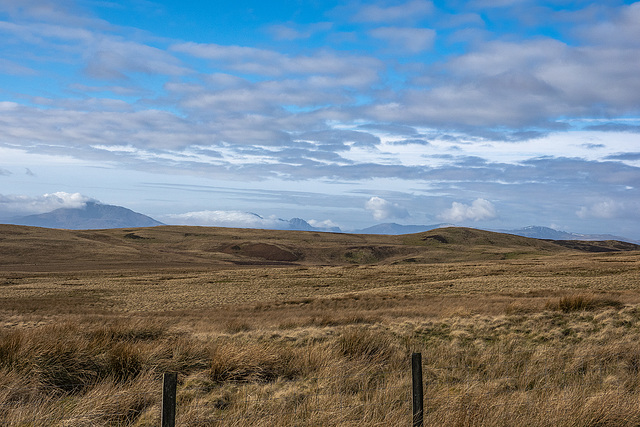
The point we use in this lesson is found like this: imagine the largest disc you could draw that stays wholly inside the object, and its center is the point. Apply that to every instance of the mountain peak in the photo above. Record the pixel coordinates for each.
(93, 215)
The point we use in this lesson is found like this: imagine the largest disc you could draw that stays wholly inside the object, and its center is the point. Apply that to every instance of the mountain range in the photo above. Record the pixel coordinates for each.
(533, 231)
(391, 228)
(538, 232)
(96, 215)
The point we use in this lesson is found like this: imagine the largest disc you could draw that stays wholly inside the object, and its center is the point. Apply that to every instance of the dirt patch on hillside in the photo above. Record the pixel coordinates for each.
(265, 251)
(436, 237)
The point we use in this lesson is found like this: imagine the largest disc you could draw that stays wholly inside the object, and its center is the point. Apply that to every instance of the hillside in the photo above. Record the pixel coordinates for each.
(304, 325)
(39, 249)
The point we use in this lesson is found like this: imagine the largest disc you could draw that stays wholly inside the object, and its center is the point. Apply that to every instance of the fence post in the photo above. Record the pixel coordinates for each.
(418, 405)
(169, 384)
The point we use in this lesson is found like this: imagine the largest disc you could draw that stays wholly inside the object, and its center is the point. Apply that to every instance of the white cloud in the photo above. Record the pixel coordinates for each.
(236, 219)
(479, 210)
(608, 209)
(383, 209)
(11, 205)
(327, 223)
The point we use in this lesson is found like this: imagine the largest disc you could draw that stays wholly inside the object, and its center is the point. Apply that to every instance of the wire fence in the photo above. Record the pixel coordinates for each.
(370, 397)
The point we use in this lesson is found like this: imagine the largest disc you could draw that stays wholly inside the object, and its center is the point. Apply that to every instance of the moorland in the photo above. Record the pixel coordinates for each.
(280, 328)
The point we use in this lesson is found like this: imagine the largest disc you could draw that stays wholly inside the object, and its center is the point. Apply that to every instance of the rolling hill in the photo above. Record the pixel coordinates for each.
(39, 249)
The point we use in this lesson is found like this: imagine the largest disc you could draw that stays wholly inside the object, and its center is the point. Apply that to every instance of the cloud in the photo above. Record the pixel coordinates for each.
(251, 60)
(10, 67)
(296, 32)
(622, 29)
(411, 40)
(382, 209)
(236, 219)
(625, 156)
(411, 10)
(327, 224)
(4, 172)
(113, 59)
(12, 205)
(610, 209)
(615, 127)
(479, 210)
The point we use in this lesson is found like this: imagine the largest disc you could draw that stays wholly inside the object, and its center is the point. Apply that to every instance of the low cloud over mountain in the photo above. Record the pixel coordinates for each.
(238, 219)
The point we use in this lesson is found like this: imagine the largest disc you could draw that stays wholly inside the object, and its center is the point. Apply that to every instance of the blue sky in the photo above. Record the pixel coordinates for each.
(490, 114)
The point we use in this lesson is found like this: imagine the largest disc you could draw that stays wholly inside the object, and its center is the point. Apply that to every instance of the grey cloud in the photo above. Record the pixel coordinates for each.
(210, 153)
(408, 11)
(295, 31)
(520, 85)
(362, 69)
(105, 55)
(72, 128)
(85, 104)
(267, 97)
(410, 40)
(624, 156)
(66, 12)
(592, 146)
(118, 90)
(621, 29)
(391, 128)
(293, 155)
(11, 67)
(615, 127)
(471, 161)
(114, 59)
(417, 141)
(337, 137)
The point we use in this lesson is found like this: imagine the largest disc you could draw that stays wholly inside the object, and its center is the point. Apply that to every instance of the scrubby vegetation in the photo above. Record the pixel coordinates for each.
(526, 339)
(535, 367)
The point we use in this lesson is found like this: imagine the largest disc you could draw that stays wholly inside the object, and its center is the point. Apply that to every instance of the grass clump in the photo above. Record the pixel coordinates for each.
(362, 343)
(583, 302)
(236, 362)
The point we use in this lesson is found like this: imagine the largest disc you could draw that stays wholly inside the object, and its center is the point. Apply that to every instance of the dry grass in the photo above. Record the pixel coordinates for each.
(509, 334)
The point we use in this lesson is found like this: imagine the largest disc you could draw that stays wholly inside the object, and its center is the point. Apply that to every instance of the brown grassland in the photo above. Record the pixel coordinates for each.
(274, 328)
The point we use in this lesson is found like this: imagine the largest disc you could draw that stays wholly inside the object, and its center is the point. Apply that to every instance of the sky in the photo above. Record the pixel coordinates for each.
(492, 114)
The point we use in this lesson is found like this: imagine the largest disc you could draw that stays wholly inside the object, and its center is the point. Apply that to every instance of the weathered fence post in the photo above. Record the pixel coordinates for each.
(418, 405)
(169, 384)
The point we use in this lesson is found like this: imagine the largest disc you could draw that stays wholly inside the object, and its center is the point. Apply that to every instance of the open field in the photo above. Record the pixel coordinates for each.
(298, 328)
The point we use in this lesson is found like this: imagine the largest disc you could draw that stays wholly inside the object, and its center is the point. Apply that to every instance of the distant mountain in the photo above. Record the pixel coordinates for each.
(392, 228)
(92, 216)
(302, 225)
(538, 232)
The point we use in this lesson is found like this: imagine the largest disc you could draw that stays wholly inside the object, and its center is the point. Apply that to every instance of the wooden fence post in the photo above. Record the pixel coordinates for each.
(169, 384)
(418, 404)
